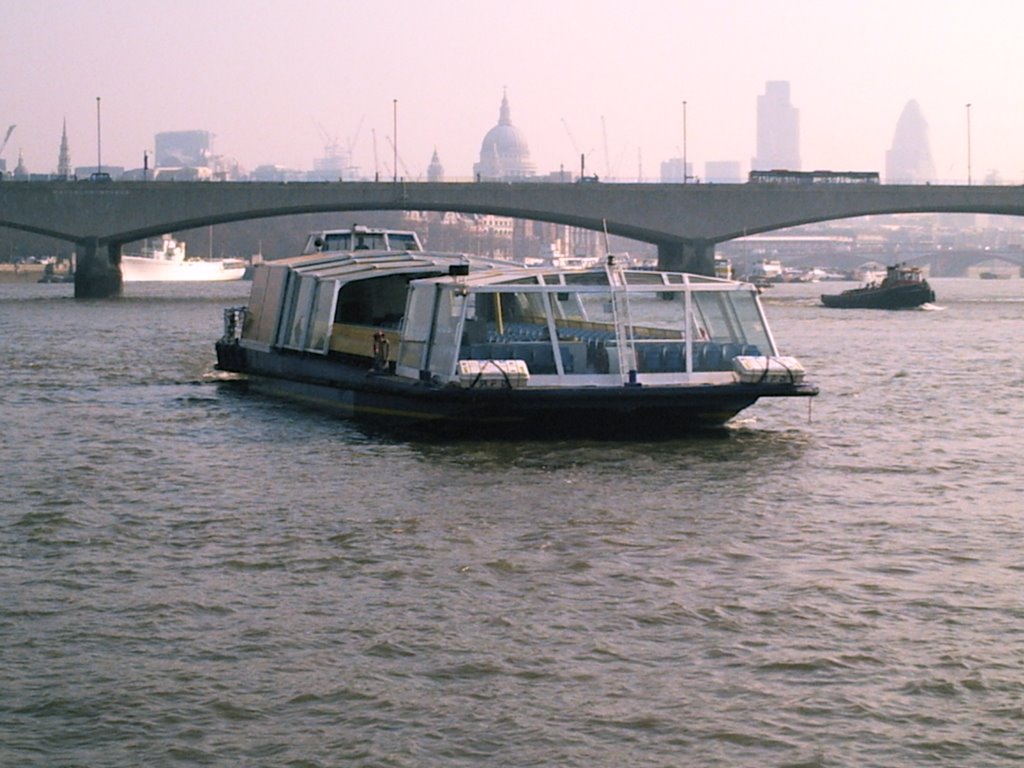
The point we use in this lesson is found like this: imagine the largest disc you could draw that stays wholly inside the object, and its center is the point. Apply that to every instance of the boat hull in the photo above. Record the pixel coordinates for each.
(638, 411)
(140, 269)
(894, 297)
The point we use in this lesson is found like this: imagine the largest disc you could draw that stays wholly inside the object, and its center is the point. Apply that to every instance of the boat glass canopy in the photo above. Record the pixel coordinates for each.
(581, 325)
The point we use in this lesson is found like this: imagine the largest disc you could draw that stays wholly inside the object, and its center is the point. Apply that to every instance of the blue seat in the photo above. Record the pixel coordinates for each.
(729, 351)
(674, 357)
(567, 362)
(543, 359)
(650, 358)
(711, 357)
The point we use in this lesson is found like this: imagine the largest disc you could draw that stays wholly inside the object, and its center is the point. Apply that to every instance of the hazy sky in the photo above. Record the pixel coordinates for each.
(272, 78)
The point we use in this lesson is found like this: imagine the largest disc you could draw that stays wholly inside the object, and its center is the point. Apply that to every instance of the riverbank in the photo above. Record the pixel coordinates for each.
(26, 273)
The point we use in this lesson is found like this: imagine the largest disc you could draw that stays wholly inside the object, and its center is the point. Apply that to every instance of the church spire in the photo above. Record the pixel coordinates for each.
(435, 171)
(505, 116)
(64, 159)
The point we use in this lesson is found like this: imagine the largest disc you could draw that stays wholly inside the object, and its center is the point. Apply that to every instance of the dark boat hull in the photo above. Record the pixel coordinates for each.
(888, 297)
(620, 412)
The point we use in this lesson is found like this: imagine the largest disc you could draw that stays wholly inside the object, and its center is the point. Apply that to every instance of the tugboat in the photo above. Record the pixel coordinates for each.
(369, 325)
(902, 288)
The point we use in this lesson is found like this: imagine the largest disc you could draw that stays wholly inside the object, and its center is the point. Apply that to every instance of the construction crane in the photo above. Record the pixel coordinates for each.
(376, 162)
(607, 160)
(351, 141)
(7, 137)
(401, 162)
(610, 167)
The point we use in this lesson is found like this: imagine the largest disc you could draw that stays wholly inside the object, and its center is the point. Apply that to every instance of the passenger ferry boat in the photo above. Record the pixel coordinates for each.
(367, 324)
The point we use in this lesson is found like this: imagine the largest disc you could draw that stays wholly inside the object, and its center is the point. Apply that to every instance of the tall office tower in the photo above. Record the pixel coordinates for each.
(910, 159)
(778, 130)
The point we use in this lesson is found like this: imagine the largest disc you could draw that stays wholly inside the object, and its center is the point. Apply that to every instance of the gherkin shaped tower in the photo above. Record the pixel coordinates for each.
(909, 161)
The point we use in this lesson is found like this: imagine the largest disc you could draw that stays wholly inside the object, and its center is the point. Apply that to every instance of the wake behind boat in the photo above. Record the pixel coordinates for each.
(447, 343)
(165, 261)
(902, 288)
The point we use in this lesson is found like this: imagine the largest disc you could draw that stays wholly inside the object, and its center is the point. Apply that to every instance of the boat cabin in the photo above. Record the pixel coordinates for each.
(360, 238)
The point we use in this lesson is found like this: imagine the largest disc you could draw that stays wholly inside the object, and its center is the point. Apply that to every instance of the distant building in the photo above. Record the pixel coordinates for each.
(778, 130)
(435, 171)
(85, 171)
(504, 154)
(909, 161)
(673, 172)
(181, 149)
(335, 165)
(20, 171)
(276, 173)
(723, 172)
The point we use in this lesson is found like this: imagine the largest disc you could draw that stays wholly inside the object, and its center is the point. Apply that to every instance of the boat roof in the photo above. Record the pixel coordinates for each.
(347, 266)
(350, 266)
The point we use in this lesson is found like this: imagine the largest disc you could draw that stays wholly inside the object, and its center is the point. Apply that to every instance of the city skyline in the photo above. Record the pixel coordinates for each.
(275, 85)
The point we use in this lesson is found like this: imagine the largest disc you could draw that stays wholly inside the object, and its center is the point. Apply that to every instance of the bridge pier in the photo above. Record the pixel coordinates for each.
(696, 256)
(98, 271)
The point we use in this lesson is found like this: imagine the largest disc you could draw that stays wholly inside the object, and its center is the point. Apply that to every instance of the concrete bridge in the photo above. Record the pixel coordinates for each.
(685, 221)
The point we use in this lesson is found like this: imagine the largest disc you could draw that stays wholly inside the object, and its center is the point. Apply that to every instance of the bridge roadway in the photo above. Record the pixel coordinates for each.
(684, 220)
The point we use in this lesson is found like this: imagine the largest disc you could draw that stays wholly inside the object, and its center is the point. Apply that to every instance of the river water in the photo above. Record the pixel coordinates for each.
(194, 575)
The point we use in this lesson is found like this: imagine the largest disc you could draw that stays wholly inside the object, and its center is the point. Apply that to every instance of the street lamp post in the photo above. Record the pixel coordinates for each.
(968, 145)
(99, 162)
(685, 172)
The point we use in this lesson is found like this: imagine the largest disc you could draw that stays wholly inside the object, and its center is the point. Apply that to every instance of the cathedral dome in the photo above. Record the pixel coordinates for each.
(504, 152)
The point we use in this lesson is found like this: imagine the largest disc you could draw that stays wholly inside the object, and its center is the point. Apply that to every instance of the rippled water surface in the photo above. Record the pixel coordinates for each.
(192, 575)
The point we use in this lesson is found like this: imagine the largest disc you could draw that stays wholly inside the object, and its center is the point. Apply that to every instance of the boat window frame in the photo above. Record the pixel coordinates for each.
(416, 327)
(293, 332)
(327, 312)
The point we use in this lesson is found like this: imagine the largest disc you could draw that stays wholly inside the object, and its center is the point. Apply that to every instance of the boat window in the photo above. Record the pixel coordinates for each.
(503, 313)
(369, 241)
(586, 278)
(301, 293)
(323, 314)
(337, 241)
(416, 330)
(403, 241)
(256, 307)
(732, 317)
(444, 347)
(266, 304)
(755, 331)
(644, 278)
